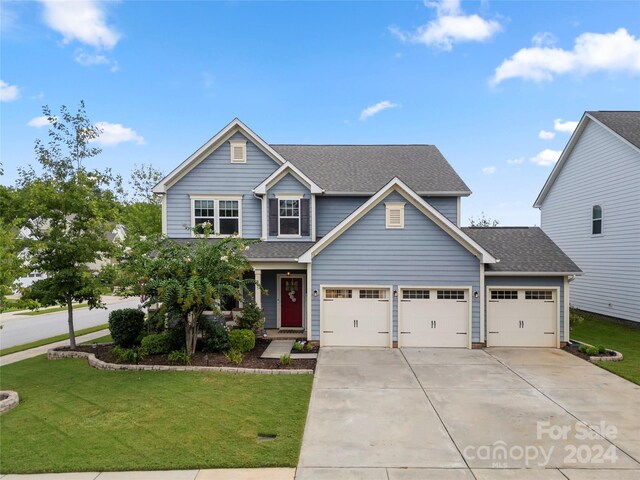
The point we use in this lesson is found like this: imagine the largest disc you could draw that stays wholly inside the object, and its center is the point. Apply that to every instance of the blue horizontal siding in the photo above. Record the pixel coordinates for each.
(217, 175)
(447, 206)
(530, 282)
(420, 254)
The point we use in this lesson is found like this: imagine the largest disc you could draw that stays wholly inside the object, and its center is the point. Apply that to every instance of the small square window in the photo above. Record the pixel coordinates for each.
(504, 294)
(337, 293)
(450, 294)
(415, 294)
(381, 294)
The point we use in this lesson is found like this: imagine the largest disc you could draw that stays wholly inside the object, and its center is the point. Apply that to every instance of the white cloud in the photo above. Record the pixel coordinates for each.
(8, 93)
(515, 161)
(377, 108)
(592, 52)
(543, 39)
(38, 122)
(567, 127)
(546, 157)
(115, 133)
(94, 59)
(81, 20)
(450, 26)
(544, 135)
(489, 170)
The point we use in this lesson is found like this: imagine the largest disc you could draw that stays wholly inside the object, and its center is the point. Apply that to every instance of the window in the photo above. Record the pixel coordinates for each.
(337, 293)
(596, 220)
(504, 294)
(289, 220)
(395, 214)
(238, 151)
(373, 294)
(222, 213)
(228, 303)
(538, 295)
(450, 294)
(415, 294)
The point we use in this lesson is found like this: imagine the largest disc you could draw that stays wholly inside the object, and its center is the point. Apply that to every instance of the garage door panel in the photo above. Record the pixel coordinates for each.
(434, 318)
(522, 317)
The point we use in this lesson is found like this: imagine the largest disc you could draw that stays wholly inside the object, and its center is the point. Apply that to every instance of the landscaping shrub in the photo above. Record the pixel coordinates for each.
(298, 346)
(252, 317)
(180, 356)
(242, 340)
(215, 337)
(587, 350)
(177, 334)
(127, 355)
(155, 344)
(234, 356)
(601, 349)
(126, 325)
(285, 359)
(156, 321)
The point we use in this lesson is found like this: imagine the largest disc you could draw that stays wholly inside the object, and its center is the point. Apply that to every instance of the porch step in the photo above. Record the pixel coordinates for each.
(277, 348)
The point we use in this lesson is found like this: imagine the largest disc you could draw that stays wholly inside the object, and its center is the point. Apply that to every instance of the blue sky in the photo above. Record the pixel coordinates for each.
(495, 85)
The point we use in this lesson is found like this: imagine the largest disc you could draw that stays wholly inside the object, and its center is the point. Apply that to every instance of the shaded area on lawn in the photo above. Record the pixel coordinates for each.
(75, 418)
(617, 336)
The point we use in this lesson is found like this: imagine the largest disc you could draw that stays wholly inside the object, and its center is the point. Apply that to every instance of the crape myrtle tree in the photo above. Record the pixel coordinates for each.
(191, 278)
(70, 208)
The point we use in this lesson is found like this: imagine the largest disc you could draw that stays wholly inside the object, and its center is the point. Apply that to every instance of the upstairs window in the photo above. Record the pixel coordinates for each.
(395, 214)
(289, 218)
(222, 214)
(228, 217)
(203, 212)
(596, 220)
(238, 151)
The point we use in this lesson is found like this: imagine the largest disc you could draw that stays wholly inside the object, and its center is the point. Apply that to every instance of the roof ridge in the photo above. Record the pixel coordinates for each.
(352, 144)
(504, 227)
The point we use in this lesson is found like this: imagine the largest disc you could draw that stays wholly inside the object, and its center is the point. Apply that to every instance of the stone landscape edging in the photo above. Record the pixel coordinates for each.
(617, 358)
(55, 354)
(10, 402)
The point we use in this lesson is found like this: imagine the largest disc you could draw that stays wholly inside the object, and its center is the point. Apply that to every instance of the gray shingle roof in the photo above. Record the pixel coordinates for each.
(277, 250)
(624, 123)
(522, 249)
(367, 168)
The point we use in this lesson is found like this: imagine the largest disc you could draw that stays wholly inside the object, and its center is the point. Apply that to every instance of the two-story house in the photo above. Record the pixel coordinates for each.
(590, 206)
(361, 245)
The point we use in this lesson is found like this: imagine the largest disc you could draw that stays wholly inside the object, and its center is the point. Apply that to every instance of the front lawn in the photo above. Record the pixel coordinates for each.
(47, 341)
(623, 338)
(72, 417)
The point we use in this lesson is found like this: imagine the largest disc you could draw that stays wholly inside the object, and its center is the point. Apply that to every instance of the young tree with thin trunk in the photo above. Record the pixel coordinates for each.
(70, 208)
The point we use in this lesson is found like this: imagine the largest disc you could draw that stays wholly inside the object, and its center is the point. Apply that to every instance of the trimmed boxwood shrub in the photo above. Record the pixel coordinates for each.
(155, 344)
(242, 340)
(126, 326)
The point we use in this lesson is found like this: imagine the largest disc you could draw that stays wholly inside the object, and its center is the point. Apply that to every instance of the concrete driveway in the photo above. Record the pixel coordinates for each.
(457, 414)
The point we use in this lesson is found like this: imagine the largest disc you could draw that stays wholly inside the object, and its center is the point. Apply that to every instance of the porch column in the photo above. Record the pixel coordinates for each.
(258, 292)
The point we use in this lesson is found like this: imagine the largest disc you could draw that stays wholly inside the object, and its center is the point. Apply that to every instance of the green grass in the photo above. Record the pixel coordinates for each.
(616, 336)
(105, 339)
(72, 417)
(42, 311)
(46, 341)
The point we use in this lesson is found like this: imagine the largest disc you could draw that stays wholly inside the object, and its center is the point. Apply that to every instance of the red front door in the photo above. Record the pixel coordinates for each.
(291, 300)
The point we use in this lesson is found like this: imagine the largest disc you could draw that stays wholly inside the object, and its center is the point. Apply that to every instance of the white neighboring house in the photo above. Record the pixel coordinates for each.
(117, 235)
(590, 207)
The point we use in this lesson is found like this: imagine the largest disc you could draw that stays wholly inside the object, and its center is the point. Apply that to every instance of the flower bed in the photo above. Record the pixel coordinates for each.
(591, 353)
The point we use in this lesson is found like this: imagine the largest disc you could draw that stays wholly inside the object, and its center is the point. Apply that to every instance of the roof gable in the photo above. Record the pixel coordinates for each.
(399, 186)
(212, 144)
(285, 169)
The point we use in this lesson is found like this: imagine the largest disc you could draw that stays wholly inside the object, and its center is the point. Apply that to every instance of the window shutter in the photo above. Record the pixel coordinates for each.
(273, 217)
(305, 226)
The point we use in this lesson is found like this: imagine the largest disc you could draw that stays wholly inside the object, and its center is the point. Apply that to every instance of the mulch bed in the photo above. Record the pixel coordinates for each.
(251, 359)
(573, 349)
(316, 348)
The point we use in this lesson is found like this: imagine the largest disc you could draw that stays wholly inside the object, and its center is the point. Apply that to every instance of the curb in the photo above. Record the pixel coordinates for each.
(616, 358)
(10, 402)
(54, 354)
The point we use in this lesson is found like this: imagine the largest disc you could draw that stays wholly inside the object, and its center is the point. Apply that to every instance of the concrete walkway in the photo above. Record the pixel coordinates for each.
(34, 352)
(213, 474)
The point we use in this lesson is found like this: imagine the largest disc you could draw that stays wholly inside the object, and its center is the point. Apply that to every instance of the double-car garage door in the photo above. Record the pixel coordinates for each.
(427, 317)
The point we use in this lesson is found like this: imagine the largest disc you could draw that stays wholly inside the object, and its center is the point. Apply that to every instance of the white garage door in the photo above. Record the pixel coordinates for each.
(430, 317)
(355, 317)
(522, 317)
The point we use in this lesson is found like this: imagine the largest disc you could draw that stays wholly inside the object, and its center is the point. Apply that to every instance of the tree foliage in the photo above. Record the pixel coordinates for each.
(483, 221)
(70, 207)
(141, 210)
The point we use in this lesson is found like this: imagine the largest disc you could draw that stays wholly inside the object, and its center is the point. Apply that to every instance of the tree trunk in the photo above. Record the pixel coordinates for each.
(72, 333)
(191, 331)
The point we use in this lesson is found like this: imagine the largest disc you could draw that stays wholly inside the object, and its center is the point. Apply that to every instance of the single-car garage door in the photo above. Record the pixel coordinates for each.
(434, 317)
(355, 317)
(522, 317)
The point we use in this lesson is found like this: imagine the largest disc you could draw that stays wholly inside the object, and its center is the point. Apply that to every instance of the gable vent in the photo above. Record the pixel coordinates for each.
(238, 152)
(395, 214)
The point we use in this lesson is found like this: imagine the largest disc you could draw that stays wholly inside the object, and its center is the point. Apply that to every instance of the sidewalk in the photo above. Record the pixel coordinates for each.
(34, 352)
(213, 474)
(106, 299)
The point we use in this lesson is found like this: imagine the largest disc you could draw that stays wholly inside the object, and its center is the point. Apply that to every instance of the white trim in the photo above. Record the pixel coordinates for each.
(466, 193)
(389, 207)
(313, 217)
(309, 319)
(290, 235)
(263, 206)
(458, 212)
(469, 290)
(213, 143)
(164, 214)
(257, 290)
(482, 304)
(567, 313)
(279, 278)
(530, 274)
(216, 218)
(289, 196)
(282, 172)
(363, 287)
(528, 287)
(276, 265)
(397, 185)
(238, 143)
